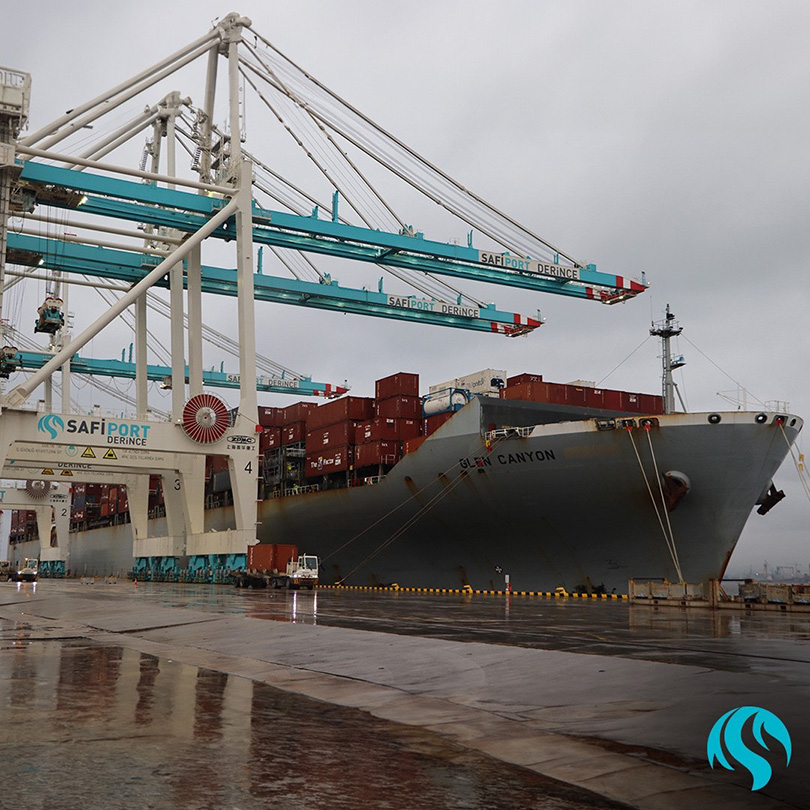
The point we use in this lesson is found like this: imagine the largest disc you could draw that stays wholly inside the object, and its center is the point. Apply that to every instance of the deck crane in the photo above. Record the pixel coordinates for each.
(173, 216)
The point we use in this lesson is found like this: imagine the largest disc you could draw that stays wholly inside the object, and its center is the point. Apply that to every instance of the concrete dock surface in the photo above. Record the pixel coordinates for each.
(626, 726)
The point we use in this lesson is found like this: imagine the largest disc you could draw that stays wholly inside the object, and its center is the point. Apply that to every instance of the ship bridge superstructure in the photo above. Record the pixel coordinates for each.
(74, 215)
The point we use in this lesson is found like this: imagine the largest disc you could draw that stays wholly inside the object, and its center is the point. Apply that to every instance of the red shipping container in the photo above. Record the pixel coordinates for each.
(400, 384)
(357, 409)
(341, 433)
(630, 402)
(556, 393)
(408, 428)
(297, 412)
(383, 429)
(376, 453)
(360, 432)
(335, 459)
(400, 407)
(433, 423)
(519, 379)
(410, 445)
(595, 398)
(530, 392)
(376, 429)
(613, 400)
(219, 463)
(270, 439)
(271, 417)
(650, 403)
(271, 557)
(576, 395)
(294, 433)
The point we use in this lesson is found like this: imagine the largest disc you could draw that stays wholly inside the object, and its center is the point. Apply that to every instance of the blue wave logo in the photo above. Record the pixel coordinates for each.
(727, 733)
(49, 424)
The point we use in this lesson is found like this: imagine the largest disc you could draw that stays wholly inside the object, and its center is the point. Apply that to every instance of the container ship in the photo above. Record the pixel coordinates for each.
(484, 481)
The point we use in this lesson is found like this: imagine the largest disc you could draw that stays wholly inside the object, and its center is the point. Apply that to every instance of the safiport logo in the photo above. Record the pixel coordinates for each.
(727, 733)
(51, 423)
(107, 431)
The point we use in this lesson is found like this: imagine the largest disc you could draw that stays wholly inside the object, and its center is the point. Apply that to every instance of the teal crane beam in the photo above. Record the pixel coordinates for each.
(151, 204)
(303, 386)
(131, 266)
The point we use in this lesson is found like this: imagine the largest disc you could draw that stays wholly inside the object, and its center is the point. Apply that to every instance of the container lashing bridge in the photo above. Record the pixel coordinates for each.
(141, 230)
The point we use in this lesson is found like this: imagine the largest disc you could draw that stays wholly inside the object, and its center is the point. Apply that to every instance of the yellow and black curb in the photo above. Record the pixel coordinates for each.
(467, 591)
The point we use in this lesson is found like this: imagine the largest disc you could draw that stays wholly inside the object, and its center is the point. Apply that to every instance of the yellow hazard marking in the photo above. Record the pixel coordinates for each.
(560, 593)
(47, 471)
(88, 453)
(67, 473)
(110, 454)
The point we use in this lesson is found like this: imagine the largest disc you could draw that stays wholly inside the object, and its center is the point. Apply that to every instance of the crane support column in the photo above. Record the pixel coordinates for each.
(244, 467)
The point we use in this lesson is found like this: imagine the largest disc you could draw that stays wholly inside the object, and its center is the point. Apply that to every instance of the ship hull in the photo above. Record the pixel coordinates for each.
(572, 504)
(565, 506)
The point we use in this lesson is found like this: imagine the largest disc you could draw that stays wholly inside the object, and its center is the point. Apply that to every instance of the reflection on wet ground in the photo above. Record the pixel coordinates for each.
(735, 641)
(86, 725)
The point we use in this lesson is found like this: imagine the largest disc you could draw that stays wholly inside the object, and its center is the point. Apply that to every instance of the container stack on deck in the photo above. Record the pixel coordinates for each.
(344, 442)
(330, 441)
(532, 388)
(92, 506)
(23, 526)
(397, 417)
(282, 446)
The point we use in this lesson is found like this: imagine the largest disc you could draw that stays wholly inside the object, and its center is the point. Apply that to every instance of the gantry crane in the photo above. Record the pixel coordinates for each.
(173, 216)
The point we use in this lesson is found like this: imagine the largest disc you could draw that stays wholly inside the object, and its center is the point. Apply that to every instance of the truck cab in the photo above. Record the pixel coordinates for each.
(303, 572)
(26, 571)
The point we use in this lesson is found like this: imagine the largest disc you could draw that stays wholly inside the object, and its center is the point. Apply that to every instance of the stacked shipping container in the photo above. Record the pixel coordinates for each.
(331, 435)
(532, 388)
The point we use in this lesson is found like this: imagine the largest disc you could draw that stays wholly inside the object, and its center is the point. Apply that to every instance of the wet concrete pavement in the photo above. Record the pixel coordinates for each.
(114, 728)
(608, 698)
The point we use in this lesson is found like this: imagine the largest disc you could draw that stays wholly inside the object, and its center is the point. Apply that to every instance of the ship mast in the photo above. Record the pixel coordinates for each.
(667, 329)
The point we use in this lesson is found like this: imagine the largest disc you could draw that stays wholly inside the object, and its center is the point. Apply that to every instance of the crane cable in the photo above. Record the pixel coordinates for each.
(366, 186)
(412, 153)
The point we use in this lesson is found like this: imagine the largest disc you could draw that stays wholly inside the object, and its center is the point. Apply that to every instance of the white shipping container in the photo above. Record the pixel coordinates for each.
(488, 381)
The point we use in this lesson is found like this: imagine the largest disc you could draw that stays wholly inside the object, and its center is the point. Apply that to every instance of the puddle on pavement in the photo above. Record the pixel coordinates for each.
(93, 726)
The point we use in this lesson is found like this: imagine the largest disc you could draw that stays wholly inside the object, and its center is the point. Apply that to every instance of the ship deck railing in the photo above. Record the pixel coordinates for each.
(288, 491)
(509, 433)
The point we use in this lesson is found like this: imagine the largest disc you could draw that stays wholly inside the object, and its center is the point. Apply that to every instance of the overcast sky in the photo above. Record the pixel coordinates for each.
(669, 138)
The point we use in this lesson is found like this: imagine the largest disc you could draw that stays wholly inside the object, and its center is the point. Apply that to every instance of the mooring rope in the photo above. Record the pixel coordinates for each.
(408, 523)
(796, 463)
(674, 548)
(672, 553)
(395, 509)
